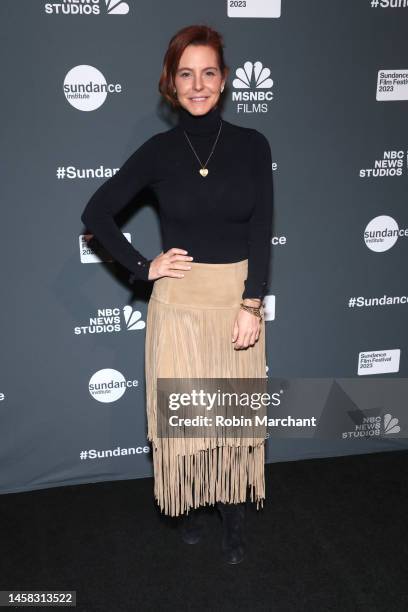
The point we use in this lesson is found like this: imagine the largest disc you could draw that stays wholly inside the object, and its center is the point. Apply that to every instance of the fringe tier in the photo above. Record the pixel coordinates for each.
(189, 335)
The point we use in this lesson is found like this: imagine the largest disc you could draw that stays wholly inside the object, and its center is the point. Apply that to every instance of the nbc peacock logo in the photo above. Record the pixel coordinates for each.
(390, 424)
(116, 7)
(252, 88)
(133, 319)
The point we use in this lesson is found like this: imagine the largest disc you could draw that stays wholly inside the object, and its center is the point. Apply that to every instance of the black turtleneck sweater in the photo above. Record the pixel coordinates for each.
(221, 218)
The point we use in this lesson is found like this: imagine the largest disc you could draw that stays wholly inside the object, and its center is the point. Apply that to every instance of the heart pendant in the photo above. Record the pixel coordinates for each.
(203, 171)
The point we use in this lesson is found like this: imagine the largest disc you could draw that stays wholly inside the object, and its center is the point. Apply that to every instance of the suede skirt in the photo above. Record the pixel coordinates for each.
(189, 335)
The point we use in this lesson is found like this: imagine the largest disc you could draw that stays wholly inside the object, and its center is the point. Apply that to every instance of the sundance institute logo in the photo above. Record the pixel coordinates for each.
(382, 232)
(86, 88)
(108, 385)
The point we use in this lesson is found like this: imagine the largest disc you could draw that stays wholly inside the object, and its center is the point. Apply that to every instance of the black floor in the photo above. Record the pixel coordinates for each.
(332, 536)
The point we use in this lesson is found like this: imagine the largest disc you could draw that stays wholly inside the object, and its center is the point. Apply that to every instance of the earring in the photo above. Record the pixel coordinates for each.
(222, 88)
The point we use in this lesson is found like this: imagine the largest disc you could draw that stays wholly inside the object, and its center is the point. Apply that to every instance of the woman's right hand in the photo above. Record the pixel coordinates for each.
(166, 264)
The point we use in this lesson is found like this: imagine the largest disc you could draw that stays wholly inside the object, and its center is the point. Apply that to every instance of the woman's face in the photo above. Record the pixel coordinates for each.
(198, 80)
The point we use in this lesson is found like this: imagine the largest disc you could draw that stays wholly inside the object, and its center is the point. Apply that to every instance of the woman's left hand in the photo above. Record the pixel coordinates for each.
(247, 328)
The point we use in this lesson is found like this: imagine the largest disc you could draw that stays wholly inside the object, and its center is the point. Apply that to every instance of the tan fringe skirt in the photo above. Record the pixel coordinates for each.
(189, 335)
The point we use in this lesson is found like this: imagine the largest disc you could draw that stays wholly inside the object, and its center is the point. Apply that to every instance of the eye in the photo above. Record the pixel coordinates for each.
(209, 72)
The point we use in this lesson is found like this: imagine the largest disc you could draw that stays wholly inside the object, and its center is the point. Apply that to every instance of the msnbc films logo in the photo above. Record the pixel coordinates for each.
(253, 88)
(108, 385)
(86, 88)
(382, 232)
(108, 320)
(87, 7)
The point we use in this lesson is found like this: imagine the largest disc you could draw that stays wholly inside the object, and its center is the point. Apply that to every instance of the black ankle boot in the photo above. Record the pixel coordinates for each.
(191, 526)
(233, 523)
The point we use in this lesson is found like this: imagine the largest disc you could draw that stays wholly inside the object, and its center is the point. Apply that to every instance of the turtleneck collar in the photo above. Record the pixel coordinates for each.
(200, 124)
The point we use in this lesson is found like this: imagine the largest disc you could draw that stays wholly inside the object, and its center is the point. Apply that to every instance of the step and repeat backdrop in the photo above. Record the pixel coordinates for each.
(327, 83)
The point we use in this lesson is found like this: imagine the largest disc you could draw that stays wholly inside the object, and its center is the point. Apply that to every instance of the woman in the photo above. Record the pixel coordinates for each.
(213, 182)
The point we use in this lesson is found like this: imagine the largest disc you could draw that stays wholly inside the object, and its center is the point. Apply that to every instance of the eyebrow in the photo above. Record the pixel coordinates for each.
(207, 68)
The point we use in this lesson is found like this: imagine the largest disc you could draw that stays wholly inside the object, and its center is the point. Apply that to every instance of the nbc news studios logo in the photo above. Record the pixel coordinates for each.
(87, 7)
(373, 426)
(109, 320)
(252, 88)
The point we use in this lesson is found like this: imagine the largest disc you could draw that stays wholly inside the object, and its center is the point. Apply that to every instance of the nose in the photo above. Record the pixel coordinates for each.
(197, 83)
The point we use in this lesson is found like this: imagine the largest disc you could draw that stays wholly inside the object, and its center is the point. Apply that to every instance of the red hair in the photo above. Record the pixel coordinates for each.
(189, 35)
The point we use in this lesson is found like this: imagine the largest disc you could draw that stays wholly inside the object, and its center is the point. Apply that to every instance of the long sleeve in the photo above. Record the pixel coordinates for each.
(111, 197)
(260, 230)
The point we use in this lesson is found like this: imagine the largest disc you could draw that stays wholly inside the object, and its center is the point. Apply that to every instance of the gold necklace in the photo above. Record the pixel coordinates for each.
(203, 170)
